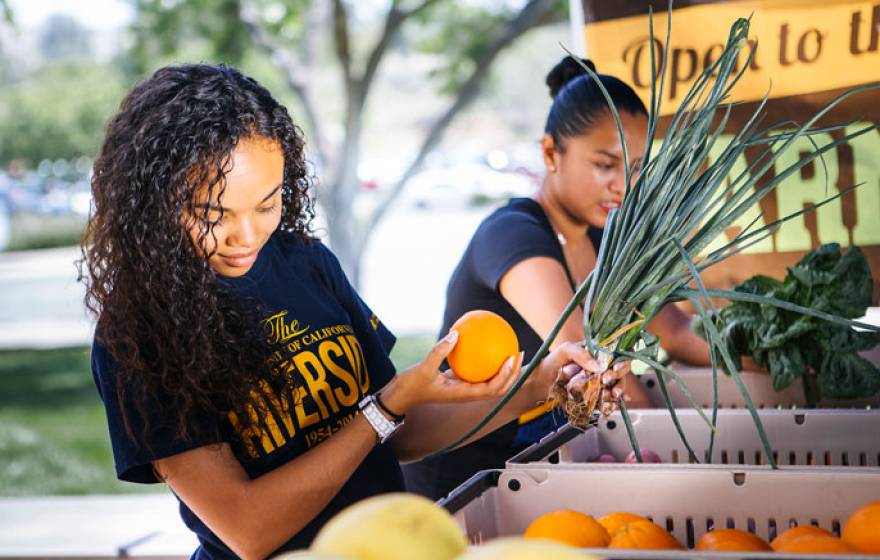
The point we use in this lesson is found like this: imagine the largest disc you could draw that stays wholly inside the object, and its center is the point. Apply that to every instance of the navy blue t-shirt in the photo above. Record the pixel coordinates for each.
(333, 345)
(515, 232)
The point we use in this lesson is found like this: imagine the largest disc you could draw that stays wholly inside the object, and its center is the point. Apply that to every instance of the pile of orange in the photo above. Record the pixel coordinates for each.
(732, 540)
(862, 529)
(861, 534)
(644, 535)
(569, 527)
(804, 539)
(615, 530)
(614, 521)
(485, 342)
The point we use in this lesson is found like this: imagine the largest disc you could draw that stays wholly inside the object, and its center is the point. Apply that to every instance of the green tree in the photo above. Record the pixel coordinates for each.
(59, 112)
(469, 36)
(64, 38)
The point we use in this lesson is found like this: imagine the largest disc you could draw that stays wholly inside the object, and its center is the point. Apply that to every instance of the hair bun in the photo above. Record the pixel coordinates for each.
(565, 71)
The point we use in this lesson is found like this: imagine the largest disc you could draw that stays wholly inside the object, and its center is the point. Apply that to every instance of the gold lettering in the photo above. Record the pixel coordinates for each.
(274, 358)
(265, 440)
(246, 437)
(270, 435)
(279, 331)
(281, 408)
(315, 375)
(304, 420)
(359, 364)
(316, 336)
(325, 350)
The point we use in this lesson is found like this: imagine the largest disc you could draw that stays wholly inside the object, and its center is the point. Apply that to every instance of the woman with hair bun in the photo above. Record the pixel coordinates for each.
(526, 259)
(235, 361)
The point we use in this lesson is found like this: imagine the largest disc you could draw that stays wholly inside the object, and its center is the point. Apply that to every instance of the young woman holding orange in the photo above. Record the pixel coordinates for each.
(235, 361)
(526, 259)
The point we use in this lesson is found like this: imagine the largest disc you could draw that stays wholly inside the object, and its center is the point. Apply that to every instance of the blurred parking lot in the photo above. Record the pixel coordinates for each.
(405, 268)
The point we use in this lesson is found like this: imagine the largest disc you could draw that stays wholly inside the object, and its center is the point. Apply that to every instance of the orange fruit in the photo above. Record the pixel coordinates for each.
(732, 540)
(614, 521)
(817, 544)
(644, 535)
(569, 527)
(795, 533)
(485, 341)
(862, 529)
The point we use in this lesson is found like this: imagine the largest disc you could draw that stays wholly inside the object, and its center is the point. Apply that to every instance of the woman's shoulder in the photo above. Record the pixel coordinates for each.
(307, 251)
(291, 241)
(292, 245)
(519, 217)
(519, 209)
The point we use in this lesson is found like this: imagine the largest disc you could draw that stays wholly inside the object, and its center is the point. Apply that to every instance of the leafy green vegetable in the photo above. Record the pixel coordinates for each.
(792, 345)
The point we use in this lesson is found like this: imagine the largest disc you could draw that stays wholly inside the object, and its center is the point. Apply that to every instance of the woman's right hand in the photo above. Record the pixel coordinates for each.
(425, 383)
(585, 386)
(570, 368)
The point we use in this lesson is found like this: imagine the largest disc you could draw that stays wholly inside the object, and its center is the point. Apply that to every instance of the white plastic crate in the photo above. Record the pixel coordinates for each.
(699, 382)
(842, 438)
(687, 502)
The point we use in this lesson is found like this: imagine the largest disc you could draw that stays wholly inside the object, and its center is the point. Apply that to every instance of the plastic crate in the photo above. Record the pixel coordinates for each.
(699, 382)
(842, 438)
(686, 502)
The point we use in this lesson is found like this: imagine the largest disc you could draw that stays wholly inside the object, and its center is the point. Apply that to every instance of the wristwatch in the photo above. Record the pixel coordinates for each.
(383, 426)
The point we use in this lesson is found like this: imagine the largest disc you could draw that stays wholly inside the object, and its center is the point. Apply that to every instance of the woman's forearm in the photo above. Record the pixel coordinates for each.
(688, 347)
(431, 427)
(673, 327)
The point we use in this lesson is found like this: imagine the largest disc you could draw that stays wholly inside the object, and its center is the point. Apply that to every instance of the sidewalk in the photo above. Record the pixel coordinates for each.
(94, 527)
(41, 303)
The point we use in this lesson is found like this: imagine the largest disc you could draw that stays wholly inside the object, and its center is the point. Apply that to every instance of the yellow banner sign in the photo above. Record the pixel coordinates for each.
(800, 47)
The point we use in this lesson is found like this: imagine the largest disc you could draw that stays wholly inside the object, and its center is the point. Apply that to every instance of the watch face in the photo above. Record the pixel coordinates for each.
(382, 425)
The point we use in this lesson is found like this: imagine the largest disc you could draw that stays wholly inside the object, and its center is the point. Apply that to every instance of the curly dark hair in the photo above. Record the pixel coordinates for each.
(181, 340)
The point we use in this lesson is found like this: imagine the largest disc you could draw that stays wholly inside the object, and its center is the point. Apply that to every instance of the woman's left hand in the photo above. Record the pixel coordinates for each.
(425, 383)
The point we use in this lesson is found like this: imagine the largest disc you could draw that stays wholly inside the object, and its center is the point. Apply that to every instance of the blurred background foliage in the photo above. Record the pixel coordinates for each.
(388, 93)
(360, 59)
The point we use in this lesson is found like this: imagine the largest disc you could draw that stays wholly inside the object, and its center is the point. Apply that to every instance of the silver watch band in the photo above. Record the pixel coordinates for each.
(383, 426)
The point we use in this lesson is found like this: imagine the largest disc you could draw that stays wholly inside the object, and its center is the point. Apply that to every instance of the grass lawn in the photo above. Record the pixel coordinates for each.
(53, 435)
(41, 231)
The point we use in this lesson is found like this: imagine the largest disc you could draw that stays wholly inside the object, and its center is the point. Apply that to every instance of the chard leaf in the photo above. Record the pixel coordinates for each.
(832, 339)
(835, 283)
(786, 365)
(791, 344)
(848, 376)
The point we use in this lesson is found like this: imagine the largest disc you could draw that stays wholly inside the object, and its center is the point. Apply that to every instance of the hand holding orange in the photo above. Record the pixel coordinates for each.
(485, 342)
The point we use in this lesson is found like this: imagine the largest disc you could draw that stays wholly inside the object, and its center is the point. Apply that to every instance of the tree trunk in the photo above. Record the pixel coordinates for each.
(348, 238)
(343, 239)
(534, 14)
(342, 226)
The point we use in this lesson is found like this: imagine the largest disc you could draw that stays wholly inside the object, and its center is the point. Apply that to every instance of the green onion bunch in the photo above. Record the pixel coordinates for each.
(655, 245)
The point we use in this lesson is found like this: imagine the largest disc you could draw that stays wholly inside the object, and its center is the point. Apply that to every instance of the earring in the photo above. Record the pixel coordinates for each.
(552, 169)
